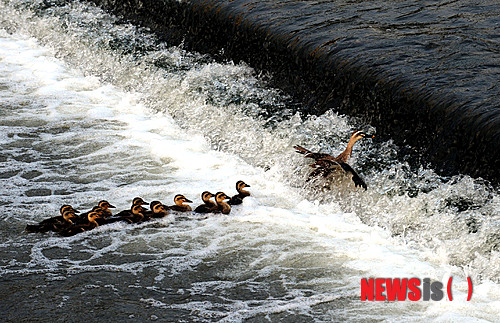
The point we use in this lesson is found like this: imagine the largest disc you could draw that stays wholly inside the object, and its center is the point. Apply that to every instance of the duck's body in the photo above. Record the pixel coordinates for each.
(222, 207)
(208, 205)
(325, 164)
(78, 228)
(242, 193)
(67, 216)
(179, 205)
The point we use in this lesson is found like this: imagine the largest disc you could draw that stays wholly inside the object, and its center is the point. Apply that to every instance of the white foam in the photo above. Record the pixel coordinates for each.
(156, 150)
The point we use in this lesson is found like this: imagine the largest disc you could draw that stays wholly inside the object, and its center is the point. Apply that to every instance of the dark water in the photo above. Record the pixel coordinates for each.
(93, 107)
(424, 73)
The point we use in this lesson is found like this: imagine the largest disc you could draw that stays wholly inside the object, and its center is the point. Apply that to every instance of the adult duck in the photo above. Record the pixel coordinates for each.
(326, 164)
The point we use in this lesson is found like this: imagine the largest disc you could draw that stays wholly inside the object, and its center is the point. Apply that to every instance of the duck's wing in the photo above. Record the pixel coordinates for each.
(235, 200)
(310, 154)
(358, 181)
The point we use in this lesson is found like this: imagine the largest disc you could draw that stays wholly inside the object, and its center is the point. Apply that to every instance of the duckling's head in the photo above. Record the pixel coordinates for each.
(159, 208)
(92, 216)
(136, 209)
(220, 197)
(139, 201)
(67, 207)
(97, 209)
(153, 204)
(240, 185)
(179, 199)
(105, 205)
(206, 196)
(68, 215)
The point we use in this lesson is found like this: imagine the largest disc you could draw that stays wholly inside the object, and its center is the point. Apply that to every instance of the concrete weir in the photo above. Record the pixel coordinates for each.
(357, 61)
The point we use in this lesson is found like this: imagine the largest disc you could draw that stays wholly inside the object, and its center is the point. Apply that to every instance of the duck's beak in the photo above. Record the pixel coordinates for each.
(188, 201)
(246, 185)
(76, 211)
(111, 206)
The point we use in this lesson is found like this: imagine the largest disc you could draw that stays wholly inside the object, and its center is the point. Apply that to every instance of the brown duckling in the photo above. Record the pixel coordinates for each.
(67, 215)
(78, 228)
(208, 205)
(179, 206)
(136, 201)
(158, 210)
(222, 207)
(242, 193)
(134, 215)
(325, 164)
(105, 206)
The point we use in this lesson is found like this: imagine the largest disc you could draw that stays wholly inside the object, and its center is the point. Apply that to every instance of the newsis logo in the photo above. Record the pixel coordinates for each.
(402, 289)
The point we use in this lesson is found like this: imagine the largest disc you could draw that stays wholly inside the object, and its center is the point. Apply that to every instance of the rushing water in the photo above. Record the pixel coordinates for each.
(93, 108)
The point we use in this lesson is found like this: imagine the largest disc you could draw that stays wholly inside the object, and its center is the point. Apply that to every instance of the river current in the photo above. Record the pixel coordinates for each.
(94, 108)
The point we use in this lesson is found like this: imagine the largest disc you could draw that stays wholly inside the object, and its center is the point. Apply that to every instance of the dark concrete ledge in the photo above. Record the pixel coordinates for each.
(451, 132)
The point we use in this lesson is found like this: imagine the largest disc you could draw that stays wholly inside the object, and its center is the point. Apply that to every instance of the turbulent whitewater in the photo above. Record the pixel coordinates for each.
(94, 108)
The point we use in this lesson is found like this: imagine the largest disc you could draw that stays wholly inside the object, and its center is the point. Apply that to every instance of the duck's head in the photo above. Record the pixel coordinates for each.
(68, 215)
(92, 216)
(67, 207)
(356, 135)
(153, 204)
(159, 209)
(240, 185)
(139, 201)
(97, 209)
(179, 199)
(220, 197)
(206, 196)
(138, 209)
(105, 205)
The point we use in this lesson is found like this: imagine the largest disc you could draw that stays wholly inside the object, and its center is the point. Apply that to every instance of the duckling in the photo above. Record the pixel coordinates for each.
(222, 207)
(238, 199)
(136, 201)
(67, 215)
(78, 228)
(134, 215)
(179, 199)
(158, 210)
(102, 208)
(325, 164)
(102, 205)
(208, 205)
(105, 206)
